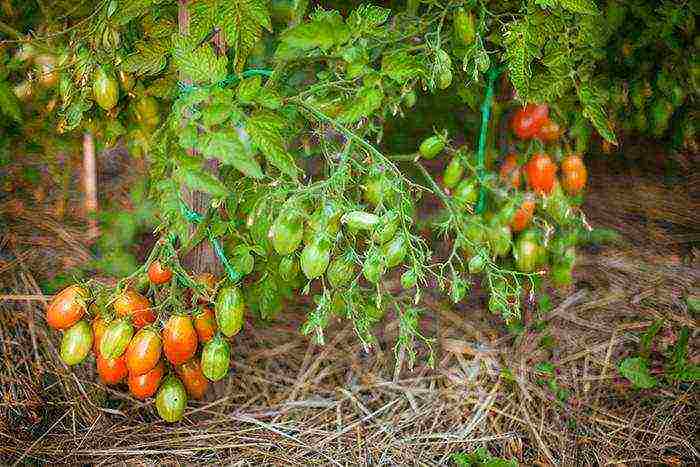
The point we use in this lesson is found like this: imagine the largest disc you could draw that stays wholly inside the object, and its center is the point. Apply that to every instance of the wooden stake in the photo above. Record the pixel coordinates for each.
(90, 184)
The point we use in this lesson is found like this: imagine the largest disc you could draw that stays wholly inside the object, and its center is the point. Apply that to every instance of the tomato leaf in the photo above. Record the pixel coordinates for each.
(367, 100)
(227, 147)
(592, 102)
(402, 67)
(196, 178)
(9, 104)
(366, 19)
(635, 369)
(265, 130)
(200, 64)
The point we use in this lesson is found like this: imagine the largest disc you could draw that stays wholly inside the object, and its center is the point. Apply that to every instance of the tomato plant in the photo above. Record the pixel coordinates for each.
(143, 352)
(67, 307)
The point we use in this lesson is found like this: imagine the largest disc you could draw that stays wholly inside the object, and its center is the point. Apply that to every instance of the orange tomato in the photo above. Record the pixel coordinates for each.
(143, 352)
(157, 274)
(205, 324)
(111, 370)
(133, 304)
(574, 174)
(192, 377)
(98, 329)
(146, 385)
(179, 339)
(523, 216)
(528, 121)
(67, 307)
(549, 132)
(540, 172)
(510, 171)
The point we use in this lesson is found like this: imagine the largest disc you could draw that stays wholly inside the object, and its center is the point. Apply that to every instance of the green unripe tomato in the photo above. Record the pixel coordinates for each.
(388, 225)
(476, 264)
(325, 219)
(466, 192)
(315, 258)
(528, 252)
(116, 338)
(287, 232)
(216, 356)
(374, 313)
(463, 28)
(76, 343)
(377, 189)
(340, 272)
(562, 274)
(431, 147)
(453, 173)
(289, 268)
(444, 79)
(171, 399)
(360, 220)
(373, 267)
(395, 251)
(105, 89)
(499, 238)
(229, 310)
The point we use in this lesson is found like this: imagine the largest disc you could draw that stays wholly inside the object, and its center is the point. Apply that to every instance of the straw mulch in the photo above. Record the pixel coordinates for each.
(288, 401)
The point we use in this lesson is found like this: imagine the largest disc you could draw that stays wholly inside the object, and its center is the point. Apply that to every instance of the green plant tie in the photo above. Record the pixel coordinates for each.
(230, 79)
(491, 77)
(195, 218)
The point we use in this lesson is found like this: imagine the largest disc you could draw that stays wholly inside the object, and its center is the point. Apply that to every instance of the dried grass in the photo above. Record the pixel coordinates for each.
(288, 401)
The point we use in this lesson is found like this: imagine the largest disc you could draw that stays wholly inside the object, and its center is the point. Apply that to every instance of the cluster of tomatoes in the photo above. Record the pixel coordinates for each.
(536, 179)
(153, 355)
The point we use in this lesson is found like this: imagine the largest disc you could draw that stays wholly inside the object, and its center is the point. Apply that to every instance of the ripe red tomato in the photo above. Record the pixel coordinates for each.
(523, 216)
(205, 324)
(574, 174)
(133, 304)
(67, 307)
(179, 339)
(539, 172)
(192, 377)
(157, 274)
(528, 121)
(99, 325)
(112, 370)
(510, 171)
(146, 385)
(549, 132)
(143, 352)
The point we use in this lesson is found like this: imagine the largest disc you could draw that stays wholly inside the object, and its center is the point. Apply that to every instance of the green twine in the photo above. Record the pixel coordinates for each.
(481, 153)
(230, 79)
(195, 218)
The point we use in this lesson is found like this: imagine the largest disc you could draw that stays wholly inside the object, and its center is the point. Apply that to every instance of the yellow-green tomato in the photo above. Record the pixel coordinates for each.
(116, 338)
(216, 356)
(230, 310)
(76, 343)
(431, 147)
(315, 258)
(105, 89)
(171, 399)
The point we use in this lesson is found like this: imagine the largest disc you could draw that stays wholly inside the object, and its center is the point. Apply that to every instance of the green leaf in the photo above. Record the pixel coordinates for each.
(325, 30)
(227, 147)
(149, 59)
(9, 104)
(265, 130)
(635, 369)
(197, 179)
(521, 50)
(592, 100)
(646, 338)
(402, 67)
(366, 19)
(200, 64)
(250, 91)
(587, 7)
(367, 100)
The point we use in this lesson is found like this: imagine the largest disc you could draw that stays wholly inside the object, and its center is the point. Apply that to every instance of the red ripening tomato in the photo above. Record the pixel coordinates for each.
(540, 172)
(549, 132)
(67, 307)
(523, 216)
(528, 121)
(192, 377)
(143, 353)
(144, 386)
(179, 339)
(133, 304)
(205, 324)
(157, 274)
(574, 174)
(98, 329)
(510, 171)
(112, 370)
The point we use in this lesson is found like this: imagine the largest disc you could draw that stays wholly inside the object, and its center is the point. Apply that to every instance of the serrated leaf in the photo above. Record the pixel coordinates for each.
(200, 64)
(227, 147)
(197, 179)
(402, 67)
(587, 7)
(325, 30)
(265, 130)
(635, 369)
(248, 18)
(366, 19)
(367, 100)
(592, 103)
(149, 59)
(521, 50)
(248, 89)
